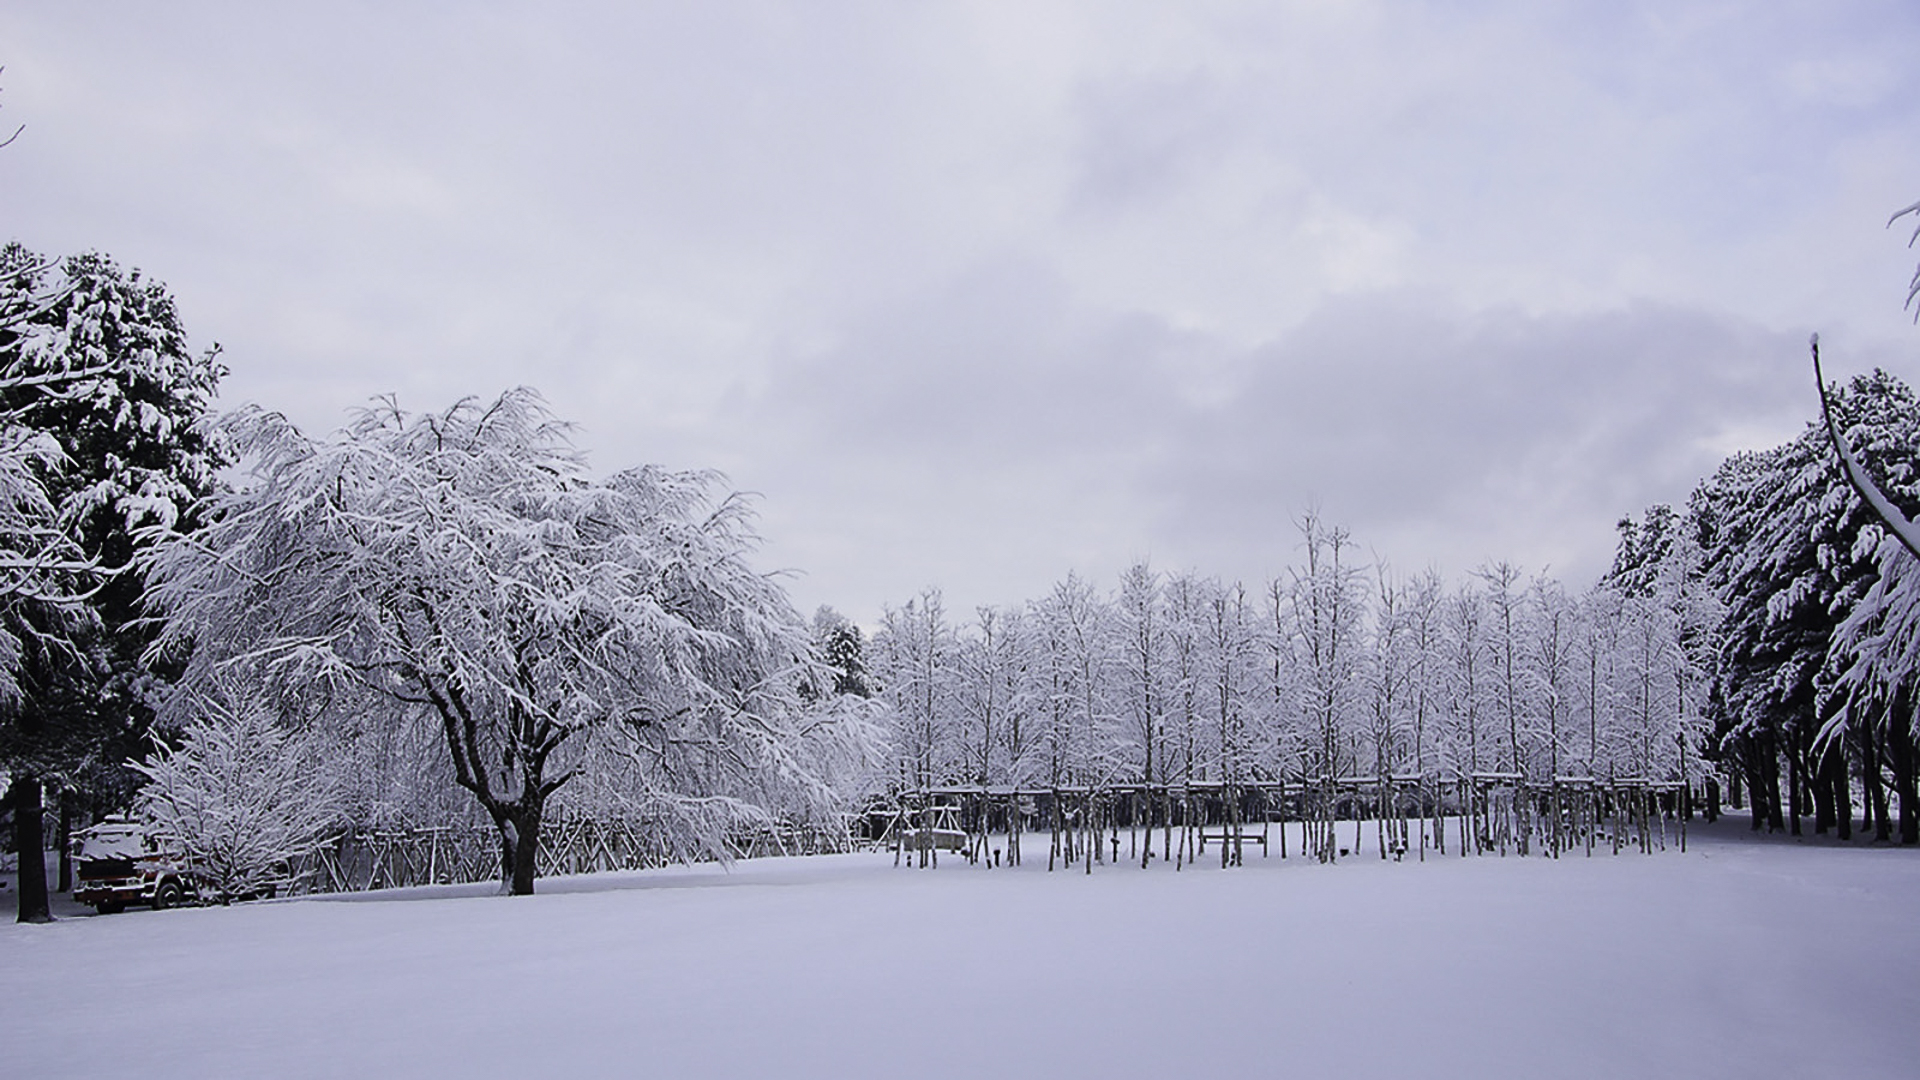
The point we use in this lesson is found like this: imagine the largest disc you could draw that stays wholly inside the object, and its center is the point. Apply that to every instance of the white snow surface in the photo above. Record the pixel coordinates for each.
(1742, 958)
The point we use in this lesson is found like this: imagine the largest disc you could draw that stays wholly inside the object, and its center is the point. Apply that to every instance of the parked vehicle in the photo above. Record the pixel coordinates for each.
(121, 862)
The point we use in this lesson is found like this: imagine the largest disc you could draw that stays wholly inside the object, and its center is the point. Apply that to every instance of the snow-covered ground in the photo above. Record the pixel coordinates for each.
(1741, 958)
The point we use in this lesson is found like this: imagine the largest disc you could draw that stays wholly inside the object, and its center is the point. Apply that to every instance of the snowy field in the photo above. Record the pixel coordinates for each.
(1742, 958)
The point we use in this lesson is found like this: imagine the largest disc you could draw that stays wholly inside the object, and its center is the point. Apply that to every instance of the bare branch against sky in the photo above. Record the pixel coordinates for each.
(977, 293)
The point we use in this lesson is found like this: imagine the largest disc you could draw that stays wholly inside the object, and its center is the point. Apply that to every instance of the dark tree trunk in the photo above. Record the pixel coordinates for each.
(1900, 750)
(1713, 798)
(1751, 767)
(1875, 783)
(1842, 774)
(519, 827)
(1820, 778)
(29, 839)
(1795, 805)
(63, 836)
(506, 850)
(1770, 775)
(1867, 759)
(525, 849)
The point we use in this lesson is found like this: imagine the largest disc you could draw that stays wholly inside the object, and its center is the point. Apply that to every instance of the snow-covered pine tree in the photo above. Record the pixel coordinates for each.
(102, 403)
(1782, 544)
(843, 648)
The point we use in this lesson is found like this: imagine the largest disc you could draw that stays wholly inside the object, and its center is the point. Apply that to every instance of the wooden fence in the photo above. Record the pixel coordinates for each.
(364, 860)
(1486, 813)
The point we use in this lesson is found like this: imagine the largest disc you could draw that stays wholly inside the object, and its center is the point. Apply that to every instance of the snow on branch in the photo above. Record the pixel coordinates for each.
(241, 798)
(465, 562)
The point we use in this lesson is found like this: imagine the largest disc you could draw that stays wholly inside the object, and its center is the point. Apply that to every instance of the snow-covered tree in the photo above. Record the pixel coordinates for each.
(1551, 669)
(988, 697)
(464, 563)
(1073, 625)
(1186, 600)
(1507, 633)
(100, 434)
(1870, 661)
(1329, 606)
(1782, 544)
(1468, 682)
(843, 648)
(242, 798)
(1143, 649)
(1423, 611)
(1391, 675)
(1913, 287)
(915, 651)
(1231, 693)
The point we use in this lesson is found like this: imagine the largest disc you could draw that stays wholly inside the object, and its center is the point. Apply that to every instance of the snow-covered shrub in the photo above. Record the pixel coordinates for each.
(241, 798)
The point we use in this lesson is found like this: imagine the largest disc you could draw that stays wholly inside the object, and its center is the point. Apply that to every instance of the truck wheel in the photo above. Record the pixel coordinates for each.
(169, 894)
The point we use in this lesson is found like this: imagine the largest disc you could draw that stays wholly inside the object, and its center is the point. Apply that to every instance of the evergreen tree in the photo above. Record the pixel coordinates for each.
(1789, 546)
(97, 362)
(843, 648)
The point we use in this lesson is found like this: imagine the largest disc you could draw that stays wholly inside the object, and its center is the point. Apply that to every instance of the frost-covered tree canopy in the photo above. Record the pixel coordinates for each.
(465, 564)
(103, 364)
(1333, 669)
(241, 798)
(102, 406)
(100, 409)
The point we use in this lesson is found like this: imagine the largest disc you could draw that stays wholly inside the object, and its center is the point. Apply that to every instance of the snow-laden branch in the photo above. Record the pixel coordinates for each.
(466, 562)
(1902, 528)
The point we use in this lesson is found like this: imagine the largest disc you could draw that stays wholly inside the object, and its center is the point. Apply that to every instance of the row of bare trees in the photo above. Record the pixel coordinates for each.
(1333, 668)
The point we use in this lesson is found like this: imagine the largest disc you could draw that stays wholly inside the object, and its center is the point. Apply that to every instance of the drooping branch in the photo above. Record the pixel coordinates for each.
(16, 131)
(1903, 528)
(1913, 287)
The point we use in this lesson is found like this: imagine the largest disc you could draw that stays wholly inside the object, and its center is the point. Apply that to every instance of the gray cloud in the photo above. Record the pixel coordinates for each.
(1003, 435)
(978, 294)
(1458, 438)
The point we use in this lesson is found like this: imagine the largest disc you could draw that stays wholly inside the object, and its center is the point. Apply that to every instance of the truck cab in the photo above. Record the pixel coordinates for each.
(121, 862)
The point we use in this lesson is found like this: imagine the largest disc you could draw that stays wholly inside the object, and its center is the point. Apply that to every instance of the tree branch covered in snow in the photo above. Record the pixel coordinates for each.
(242, 798)
(553, 625)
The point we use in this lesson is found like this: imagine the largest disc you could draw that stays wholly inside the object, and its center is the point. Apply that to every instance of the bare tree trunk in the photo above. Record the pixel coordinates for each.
(1166, 826)
(1770, 774)
(1053, 822)
(526, 848)
(1794, 806)
(29, 839)
(1876, 790)
(1821, 781)
(1901, 752)
(63, 836)
(506, 850)
(1842, 789)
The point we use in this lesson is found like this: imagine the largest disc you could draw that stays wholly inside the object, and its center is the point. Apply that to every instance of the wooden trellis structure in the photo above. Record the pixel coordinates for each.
(1489, 813)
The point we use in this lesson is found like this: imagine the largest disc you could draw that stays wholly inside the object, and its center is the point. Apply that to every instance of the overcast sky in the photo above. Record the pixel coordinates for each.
(975, 294)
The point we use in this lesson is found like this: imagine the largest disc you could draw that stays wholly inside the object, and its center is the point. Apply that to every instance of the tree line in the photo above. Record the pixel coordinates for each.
(446, 616)
(256, 637)
(1331, 669)
(1763, 639)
